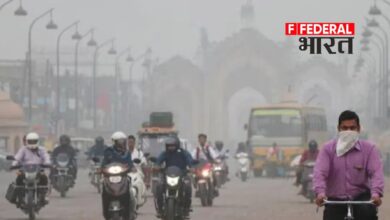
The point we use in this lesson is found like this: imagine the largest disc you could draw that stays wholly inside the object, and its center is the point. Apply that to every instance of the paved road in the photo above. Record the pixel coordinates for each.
(255, 200)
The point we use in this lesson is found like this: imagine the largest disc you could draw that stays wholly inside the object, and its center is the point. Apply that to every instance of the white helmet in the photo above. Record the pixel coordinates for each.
(118, 136)
(32, 140)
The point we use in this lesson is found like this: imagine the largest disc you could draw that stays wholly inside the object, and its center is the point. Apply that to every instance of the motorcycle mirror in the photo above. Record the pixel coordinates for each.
(10, 157)
(153, 159)
(147, 155)
(96, 159)
(137, 161)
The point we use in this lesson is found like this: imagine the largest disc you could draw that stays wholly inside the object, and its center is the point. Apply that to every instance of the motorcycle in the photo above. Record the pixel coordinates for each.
(205, 183)
(220, 171)
(95, 175)
(33, 193)
(117, 185)
(61, 179)
(307, 180)
(138, 188)
(173, 208)
(244, 162)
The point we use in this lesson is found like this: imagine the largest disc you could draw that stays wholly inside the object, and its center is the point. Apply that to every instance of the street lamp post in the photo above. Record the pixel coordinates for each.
(133, 62)
(385, 48)
(91, 43)
(117, 85)
(20, 11)
(381, 75)
(76, 36)
(50, 25)
(95, 57)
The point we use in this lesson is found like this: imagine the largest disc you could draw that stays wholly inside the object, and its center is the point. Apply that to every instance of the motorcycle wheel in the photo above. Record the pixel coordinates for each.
(30, 205)
(62, 186)
(218, 181)
(63, 193)
(170, 211)
(116, 216)
(99, 188)
(203, 195)
(244, 176)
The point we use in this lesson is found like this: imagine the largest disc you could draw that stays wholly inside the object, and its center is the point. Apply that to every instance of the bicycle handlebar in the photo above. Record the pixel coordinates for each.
(327, 202)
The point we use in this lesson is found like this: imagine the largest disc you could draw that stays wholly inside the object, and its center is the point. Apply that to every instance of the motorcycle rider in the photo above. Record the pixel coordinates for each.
(32, 154)
(174, 155)
(309, 154)
(98, 149)
(136, 153)
(242, 148)
(65, 147)
(204, 150)
(118, 153)
(223, 154)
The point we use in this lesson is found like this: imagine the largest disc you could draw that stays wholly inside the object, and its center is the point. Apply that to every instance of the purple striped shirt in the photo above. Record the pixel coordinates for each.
(359, 170)
(26, 156)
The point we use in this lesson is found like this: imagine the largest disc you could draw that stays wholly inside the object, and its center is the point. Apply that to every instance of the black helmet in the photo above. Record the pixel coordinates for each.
(64, 140)
(99, 140)
(219, 145)
(313, 146)
(172, 141)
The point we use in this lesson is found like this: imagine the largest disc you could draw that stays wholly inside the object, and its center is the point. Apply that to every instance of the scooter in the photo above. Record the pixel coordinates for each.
(307, 180)
(138, 188)
(117, 186)
(244, 162)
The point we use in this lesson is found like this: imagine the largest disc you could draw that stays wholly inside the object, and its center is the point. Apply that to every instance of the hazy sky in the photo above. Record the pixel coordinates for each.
(169, 26)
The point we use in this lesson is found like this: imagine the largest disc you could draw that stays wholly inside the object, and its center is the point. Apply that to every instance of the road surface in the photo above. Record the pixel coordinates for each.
(254, 200)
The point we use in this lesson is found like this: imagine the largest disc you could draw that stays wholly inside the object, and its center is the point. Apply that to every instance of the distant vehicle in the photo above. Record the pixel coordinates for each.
(153, 133)
(82, 146)
(290, 125)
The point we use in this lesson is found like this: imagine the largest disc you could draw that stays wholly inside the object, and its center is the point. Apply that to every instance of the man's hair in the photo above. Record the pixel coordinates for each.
(349, 115)
(202, 135)
(131, 137)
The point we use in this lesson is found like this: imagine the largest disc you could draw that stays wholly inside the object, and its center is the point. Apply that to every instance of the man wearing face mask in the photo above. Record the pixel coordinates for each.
(349, 169)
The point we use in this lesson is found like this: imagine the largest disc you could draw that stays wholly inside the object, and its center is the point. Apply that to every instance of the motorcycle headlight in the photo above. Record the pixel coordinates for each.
(172, 181)
(217, 168)
(205, 173)
(243, 161)
(115, 169)
(115, 179)
(30, 176)
(62, 164)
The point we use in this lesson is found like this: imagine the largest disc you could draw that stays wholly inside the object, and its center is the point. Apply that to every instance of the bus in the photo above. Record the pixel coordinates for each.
(290, 125)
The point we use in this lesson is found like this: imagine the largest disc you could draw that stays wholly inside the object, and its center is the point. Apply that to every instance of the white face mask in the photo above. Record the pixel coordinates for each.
(346, 141)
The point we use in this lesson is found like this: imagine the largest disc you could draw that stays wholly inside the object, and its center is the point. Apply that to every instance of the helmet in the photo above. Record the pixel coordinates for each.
(313, 145)
(219, 145)
(64, 140)
(118, 138)
(99, 140)
(32, 140)
(172, 141)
